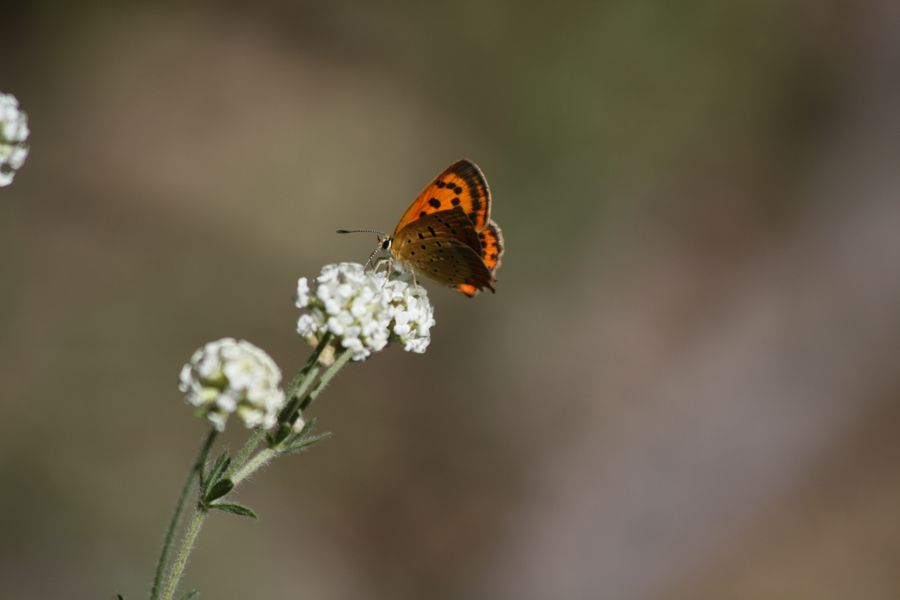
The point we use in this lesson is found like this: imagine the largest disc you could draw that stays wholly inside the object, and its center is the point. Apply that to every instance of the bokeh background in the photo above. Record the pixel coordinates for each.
(686, 386)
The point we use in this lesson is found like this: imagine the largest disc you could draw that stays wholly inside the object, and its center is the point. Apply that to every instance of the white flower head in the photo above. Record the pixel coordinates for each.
(233, 376)
(13, 133)
(363, 310)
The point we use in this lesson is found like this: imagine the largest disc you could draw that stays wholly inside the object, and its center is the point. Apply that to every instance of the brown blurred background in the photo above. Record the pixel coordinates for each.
(686, 386)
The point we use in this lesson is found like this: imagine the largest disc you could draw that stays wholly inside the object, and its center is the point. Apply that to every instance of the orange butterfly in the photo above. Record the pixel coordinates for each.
(447, 233)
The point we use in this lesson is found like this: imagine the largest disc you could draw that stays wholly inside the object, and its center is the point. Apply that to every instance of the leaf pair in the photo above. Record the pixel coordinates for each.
(215, 485)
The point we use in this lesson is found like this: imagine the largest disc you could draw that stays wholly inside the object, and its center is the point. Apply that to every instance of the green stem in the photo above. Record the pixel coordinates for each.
(190, 536)
(244, 453)
(326, 378)
(196, 468)
(295, 390)
(264, 456)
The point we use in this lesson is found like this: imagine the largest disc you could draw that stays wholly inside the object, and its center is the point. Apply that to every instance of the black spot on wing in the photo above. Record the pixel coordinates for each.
(474, 181)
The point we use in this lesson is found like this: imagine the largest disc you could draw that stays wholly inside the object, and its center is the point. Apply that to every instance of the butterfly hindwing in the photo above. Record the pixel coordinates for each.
(461, 185)
(449, 261)
(491, 239)
(444, 246)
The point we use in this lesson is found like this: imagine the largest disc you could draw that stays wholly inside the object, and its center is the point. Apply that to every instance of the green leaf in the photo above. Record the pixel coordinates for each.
(305, 442)
(190, 595)
(120, 597)
(235, 509)
(218, 489)
(215, 472)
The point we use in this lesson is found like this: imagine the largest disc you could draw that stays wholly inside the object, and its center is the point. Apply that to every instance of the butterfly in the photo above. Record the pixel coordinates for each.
(447, 233)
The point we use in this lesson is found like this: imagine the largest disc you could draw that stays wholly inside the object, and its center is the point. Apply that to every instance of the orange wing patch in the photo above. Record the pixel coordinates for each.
(491, 239)
(460, 185)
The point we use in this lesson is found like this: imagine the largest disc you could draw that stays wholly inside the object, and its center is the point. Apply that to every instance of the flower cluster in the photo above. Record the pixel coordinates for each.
(412, 315)
(13, 133)
(233, 376)
(364, 310)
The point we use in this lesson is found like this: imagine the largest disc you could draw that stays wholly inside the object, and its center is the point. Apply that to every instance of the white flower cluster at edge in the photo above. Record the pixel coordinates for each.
(233, 376)
(364, 311)
(13, 133)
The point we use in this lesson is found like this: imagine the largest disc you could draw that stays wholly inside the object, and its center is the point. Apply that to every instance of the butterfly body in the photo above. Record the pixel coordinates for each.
(447, 233)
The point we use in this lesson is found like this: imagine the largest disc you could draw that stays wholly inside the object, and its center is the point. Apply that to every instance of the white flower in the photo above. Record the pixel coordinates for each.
(13, 133)
(233, 376)
(412, 315)
(363, 310)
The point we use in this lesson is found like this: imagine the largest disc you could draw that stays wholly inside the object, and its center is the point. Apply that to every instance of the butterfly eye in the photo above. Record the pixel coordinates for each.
(386, 244)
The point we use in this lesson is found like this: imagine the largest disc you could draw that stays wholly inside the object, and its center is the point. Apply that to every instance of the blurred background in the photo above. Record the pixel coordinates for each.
(685, 387)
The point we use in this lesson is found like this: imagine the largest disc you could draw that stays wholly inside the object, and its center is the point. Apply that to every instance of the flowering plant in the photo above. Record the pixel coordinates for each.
(348, 315)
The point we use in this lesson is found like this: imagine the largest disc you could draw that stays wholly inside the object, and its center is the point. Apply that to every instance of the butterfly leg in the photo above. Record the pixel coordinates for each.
(369, 262)
(390, 269)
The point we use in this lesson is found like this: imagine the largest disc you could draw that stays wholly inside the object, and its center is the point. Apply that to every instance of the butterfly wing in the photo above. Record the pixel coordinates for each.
(445, 247)
(491, 240)
(461, 185)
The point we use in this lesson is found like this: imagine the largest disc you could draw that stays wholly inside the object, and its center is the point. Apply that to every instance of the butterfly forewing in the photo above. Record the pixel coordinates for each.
(460, 185)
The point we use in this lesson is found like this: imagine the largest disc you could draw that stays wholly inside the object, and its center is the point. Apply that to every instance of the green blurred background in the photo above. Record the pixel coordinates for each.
(685, 387)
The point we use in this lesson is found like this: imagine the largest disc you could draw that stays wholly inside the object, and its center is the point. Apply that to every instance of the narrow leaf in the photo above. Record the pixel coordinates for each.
(218, 489)
(235, 509)
(215, 472)
(305, 442)
(190, 594)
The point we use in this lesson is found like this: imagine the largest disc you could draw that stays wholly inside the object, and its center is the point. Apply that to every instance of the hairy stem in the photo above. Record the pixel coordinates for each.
(326, 378)
(196, 468)
(264, 456)
(295, 391)
(187, 544)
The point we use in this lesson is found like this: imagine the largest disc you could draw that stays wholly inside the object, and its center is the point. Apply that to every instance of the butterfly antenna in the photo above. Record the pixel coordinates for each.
(361, 231)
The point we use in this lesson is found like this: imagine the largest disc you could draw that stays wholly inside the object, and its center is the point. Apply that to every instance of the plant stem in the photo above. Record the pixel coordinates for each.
(268, 454)
(244, 453)
(295, 391)
(190, 536)
(293, 388)
(253, 464)
(326, 378)
(196, 468)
